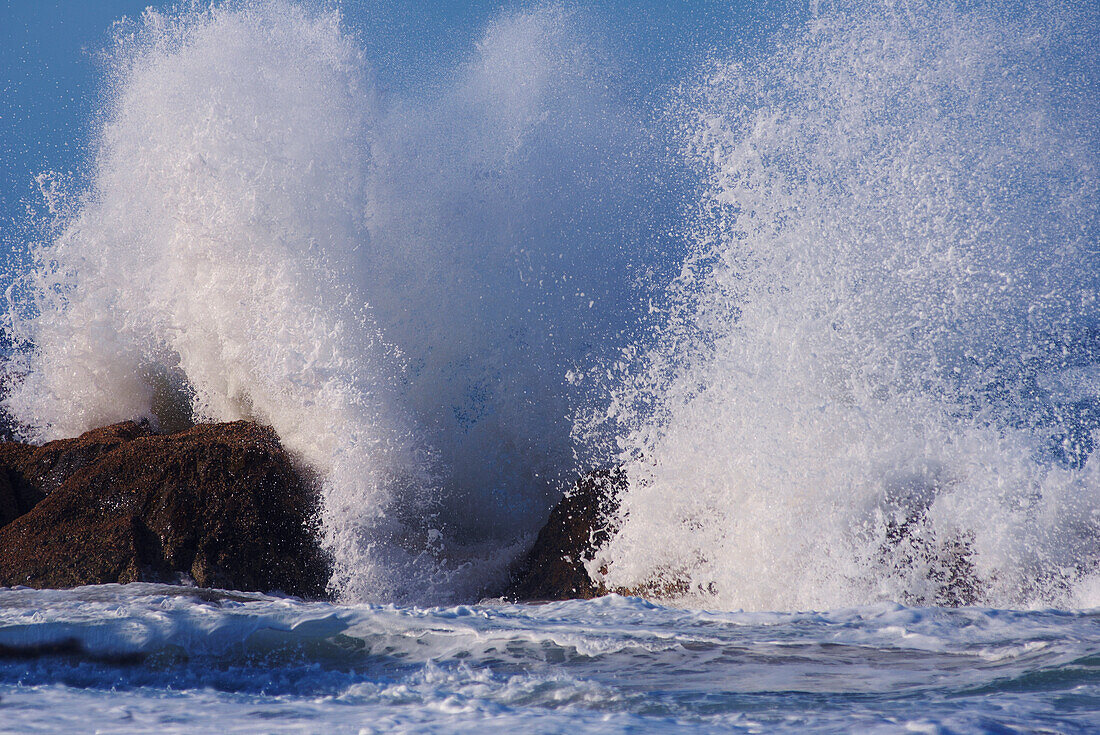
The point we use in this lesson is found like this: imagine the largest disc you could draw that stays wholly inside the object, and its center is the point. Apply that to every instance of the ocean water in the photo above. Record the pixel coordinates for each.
(820, 277)
(142, 658)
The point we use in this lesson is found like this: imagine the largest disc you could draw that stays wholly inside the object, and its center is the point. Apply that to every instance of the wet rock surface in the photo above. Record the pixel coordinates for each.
(29, 473)
(579, 524)
(217, 505)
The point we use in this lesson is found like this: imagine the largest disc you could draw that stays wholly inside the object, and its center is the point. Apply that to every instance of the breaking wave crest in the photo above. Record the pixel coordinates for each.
(876, 381)
(875, 377)
(396, 283)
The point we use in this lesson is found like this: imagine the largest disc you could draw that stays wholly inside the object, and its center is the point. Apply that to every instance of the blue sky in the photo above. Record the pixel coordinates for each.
(49, 63)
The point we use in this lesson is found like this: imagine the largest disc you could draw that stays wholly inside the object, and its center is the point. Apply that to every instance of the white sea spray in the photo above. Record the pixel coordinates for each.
(896, 265)
(396, 283)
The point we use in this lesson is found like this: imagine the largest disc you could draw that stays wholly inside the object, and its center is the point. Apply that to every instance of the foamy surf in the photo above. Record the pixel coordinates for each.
(872, 390)
(871, 380)
(860, 392)
(396, 284)
(141, 657)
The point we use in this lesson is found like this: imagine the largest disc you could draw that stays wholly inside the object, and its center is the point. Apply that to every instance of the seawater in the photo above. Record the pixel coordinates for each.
(142, 658)
(824, 286)
(875, 378)
(397, 281)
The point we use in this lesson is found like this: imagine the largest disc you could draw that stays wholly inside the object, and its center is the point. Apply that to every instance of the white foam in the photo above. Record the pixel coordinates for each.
(898, 237)
(876, 368)
(397, 285)
(135, 657)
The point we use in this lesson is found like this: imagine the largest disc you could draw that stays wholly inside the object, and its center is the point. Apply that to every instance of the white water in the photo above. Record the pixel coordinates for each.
(873, 379)
(140, 658)
(896, 268)
(397, 285)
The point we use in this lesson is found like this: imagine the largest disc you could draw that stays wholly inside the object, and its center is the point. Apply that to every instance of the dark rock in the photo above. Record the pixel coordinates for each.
(29, 473)
(220, 505)
(578, 526)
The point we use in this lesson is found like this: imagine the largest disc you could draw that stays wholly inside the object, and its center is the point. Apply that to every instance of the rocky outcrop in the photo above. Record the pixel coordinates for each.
(578, 525)
(217, 505)
(29, 473)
